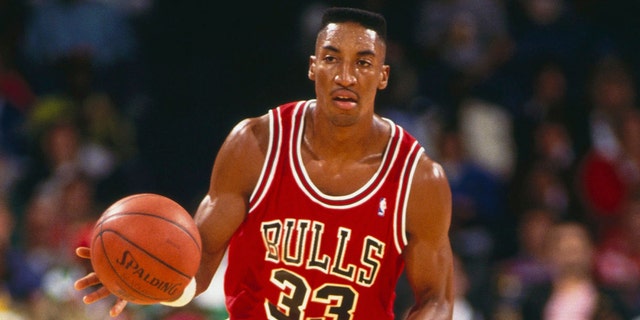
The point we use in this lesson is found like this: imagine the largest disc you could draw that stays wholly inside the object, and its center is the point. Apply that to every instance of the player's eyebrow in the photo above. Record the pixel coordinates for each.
(360, 53)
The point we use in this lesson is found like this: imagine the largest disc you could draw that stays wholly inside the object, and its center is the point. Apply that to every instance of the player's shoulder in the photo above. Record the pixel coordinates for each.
(429, 182)
(262, 121)
(427, 169)
(251, 126)
(429, 173)
(255, 130)
(250, 133)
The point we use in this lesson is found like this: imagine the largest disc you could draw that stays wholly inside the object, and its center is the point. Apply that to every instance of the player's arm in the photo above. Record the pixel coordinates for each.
(234, 175)
(428, 255)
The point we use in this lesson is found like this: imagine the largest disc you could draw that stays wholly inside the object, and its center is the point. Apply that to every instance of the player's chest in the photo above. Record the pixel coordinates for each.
(337, 178)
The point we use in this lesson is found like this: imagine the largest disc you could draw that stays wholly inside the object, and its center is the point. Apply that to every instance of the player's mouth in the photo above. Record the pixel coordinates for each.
(344, 99)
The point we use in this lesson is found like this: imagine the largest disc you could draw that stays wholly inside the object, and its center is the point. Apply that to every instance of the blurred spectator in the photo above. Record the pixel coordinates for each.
(79, 209)
(547, 179)
(602, 188)
(43, 230)
(19, 283)
(462, 42)
(72, 221)
(104, 125)
(113, 138)
(543, 187)
(60, 29)
(67, 152)
(13, 142)
(478, 194)
(553, 148)
(631, 156)
(572, 292)
(515, 275)
(14, 88)
(58, 154)
(93, 138)
(617, 19)
(618, 257)
(59, 217)
(478, 210)
(610, 171)
(551, 29)
(16, 100)
(612, 97)
(462, 308)
(486, 129)
(16, 95)
(64, 34)
(549, 105)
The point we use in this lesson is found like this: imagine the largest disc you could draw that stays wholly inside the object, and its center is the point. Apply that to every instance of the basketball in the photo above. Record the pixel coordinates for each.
(145, 248)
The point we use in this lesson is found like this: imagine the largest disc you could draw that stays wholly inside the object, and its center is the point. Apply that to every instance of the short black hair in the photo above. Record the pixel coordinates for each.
(368, 19)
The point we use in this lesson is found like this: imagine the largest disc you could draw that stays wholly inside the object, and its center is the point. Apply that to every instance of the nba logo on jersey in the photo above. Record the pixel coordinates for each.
(382, 207)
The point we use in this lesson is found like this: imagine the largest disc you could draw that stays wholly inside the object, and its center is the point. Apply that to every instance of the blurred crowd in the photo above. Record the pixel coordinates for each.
(531, 106)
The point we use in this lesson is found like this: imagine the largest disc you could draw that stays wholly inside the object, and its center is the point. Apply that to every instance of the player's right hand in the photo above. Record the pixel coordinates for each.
(92, 279)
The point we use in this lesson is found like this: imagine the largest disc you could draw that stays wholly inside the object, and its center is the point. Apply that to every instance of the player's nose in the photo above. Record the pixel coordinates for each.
(345, 75)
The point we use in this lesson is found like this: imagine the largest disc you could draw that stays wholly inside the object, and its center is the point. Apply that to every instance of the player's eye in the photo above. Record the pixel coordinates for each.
(364, 63)
(329, 59)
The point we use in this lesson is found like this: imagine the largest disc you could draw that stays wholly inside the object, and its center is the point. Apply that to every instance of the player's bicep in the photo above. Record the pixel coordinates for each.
(233, 176)
(428, 254)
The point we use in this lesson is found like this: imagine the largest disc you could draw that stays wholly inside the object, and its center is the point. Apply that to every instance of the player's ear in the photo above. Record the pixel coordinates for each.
(384, 77)
(312, 68)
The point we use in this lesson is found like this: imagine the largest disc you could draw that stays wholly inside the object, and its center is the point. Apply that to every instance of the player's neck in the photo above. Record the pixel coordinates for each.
(354, 142)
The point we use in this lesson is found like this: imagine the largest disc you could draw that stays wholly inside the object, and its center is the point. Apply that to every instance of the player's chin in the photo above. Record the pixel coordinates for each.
(344, 120)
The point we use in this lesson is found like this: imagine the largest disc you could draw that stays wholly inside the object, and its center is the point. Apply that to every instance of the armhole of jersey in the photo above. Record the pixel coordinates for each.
(268, 168)
(404, 192)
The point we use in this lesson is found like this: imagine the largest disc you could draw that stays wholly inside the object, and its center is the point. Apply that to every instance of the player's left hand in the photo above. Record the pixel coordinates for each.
(92, 279)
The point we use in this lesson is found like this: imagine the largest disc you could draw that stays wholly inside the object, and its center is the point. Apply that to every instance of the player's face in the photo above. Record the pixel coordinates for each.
(348, 69)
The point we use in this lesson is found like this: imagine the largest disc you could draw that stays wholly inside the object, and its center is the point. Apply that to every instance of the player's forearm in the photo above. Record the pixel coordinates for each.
(208, 266)
(431, 310)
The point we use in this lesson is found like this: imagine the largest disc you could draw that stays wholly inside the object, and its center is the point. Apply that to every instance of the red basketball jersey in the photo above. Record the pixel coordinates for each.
(302, 254)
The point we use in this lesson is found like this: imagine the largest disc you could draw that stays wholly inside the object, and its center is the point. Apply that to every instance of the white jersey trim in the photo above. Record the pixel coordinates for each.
(322, 196)
(402, 242)
(268, 168)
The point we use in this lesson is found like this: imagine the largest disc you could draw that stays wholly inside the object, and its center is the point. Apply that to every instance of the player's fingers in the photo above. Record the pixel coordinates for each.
(90, 279)
(117, 307)
(96, 295)
(83, 252)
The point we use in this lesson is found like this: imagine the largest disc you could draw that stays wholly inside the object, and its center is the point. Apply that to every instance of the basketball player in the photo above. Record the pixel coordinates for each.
(322, 203)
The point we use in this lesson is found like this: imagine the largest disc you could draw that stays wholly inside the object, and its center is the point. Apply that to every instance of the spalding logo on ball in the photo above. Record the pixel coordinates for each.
(145, 248)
